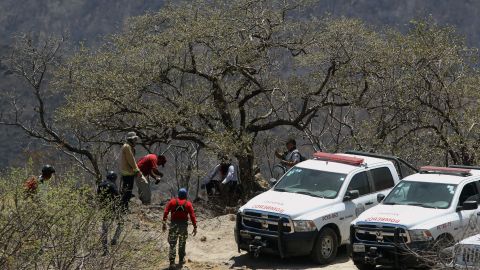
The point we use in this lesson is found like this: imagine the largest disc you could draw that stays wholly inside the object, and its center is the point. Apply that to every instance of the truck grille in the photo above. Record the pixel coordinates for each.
(381, 233)
(265, 221)
(467, 255)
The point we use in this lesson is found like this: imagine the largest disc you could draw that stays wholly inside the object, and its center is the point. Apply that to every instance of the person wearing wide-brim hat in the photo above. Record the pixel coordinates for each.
(128, 167)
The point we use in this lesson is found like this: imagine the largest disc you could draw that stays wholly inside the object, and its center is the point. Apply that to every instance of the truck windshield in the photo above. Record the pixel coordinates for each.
(311, 182)
(423, 194)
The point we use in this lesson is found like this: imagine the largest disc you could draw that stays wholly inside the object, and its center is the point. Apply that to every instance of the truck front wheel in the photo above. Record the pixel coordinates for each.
(325, 249)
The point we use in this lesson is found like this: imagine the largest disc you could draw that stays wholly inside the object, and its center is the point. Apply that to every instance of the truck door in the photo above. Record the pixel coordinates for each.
(355, 207)
(468, 218)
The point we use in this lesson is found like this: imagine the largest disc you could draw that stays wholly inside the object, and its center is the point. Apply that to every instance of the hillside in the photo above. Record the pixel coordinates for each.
(89, 21)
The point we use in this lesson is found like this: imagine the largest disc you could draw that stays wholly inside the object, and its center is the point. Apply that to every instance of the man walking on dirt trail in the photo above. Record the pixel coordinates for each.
(180, 208)
(109, 199)
(148, 166)
(292, 156)
(128, 168)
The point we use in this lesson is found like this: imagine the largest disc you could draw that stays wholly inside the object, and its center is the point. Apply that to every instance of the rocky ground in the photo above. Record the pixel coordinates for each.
(214, 245)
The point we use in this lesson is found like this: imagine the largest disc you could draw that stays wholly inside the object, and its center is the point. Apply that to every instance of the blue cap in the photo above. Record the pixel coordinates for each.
(182, 193)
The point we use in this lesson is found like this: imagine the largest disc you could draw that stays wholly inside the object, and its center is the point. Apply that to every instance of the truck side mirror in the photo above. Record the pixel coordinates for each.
(468, 205)
(351, 194)
(380, 197)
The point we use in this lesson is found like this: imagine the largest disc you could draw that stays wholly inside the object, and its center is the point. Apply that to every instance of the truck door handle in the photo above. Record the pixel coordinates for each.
(368, 203)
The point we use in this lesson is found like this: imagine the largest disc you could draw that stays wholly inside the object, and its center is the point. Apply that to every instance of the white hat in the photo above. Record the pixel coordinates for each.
(132, 136)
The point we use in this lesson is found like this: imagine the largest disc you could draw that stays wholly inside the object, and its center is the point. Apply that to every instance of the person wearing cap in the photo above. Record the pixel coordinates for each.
(32, 183)
(292, 156)
(109, 199)
(149, 164)
(128, 168)
(224, 173)
(180, 208)
(148, 167)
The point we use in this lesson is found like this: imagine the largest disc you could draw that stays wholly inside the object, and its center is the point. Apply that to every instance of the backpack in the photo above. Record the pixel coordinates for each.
(180, 207)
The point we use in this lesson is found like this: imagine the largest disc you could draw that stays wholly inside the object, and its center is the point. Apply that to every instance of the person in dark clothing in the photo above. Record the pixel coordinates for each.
(180, 208)
(109, 199)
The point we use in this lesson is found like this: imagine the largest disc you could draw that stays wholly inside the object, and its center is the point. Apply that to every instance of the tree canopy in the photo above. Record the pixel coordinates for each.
(222, 74)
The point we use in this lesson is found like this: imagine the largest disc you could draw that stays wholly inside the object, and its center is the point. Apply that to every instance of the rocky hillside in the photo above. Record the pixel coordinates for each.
(89, 21)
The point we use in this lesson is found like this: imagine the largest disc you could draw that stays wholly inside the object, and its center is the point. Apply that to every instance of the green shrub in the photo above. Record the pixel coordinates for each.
(59, 228)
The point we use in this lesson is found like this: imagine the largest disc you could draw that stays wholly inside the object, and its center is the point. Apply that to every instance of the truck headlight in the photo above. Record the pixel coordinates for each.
(420, 235)
(304, 225)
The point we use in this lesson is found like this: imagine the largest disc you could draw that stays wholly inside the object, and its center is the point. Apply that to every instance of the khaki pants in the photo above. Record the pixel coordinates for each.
(178, 232)
(144, 192)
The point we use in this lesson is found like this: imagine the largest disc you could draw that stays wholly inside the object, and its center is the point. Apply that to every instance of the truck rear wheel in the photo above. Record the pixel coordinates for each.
(325, 249)
(364, 266)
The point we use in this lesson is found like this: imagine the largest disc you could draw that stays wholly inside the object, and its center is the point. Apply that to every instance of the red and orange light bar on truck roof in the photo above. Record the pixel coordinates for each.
(355, 161)
(447, 170)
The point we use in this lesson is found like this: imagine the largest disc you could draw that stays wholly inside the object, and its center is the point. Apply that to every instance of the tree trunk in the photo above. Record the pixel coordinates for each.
(245, 164)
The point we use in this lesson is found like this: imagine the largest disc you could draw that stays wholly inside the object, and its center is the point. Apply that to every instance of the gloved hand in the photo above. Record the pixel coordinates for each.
(164, 226)
(194, 231)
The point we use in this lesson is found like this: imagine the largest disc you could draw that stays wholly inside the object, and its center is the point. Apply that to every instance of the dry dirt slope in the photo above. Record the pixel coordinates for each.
(219, 251)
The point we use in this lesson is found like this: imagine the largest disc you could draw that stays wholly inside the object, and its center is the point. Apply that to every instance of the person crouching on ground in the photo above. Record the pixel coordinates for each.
(180, 208)
(109, 199)
(224, 173)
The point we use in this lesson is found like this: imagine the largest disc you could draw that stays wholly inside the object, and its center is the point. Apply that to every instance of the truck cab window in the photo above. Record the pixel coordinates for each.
(382, 178)
(469, 193)
(360, 182)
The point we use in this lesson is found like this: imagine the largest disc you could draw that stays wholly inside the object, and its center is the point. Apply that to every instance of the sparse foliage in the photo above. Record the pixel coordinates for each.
(59, 228)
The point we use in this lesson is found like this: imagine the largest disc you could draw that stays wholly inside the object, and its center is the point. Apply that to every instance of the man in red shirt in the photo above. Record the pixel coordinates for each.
(148, 167)
(180, 208)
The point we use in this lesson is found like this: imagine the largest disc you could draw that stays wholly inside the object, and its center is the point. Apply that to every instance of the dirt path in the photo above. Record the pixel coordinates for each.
(214, 248)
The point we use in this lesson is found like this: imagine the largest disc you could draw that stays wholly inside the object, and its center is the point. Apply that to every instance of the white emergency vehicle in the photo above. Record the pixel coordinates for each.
(425, 212)
(310, 208)
(467, 253)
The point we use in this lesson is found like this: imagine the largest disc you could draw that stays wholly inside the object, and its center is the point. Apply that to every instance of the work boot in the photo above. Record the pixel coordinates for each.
(182, 261)
(172, 266)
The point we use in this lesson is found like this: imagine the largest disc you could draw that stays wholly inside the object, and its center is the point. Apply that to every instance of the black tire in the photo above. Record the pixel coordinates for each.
(325, 248)
(364, 266)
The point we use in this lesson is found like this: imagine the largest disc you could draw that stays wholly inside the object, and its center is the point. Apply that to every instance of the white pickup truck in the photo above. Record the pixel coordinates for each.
(310, 208)
(423, 214)
(467, 253)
